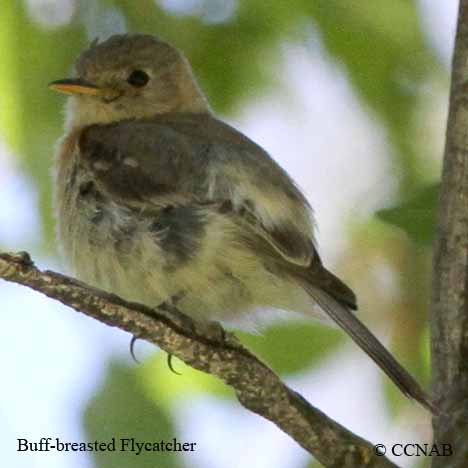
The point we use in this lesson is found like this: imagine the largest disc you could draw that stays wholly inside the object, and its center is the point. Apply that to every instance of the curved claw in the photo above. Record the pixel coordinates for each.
(169, 364)
(132, 348)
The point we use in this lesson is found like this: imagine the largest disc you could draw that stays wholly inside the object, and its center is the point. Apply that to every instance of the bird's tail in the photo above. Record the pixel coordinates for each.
(364, 338)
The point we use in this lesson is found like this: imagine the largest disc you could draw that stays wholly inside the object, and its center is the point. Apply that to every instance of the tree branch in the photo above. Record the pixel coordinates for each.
(449, 305)
(257, 387)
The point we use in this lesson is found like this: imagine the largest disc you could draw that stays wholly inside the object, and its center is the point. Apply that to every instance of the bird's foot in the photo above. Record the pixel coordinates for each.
(169, 304)
(132, 348)
(169, 364)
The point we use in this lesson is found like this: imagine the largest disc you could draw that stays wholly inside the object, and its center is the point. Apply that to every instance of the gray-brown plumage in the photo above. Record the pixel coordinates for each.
(156, 198)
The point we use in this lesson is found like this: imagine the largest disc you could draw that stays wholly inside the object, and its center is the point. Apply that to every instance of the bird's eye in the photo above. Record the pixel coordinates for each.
(138, 78)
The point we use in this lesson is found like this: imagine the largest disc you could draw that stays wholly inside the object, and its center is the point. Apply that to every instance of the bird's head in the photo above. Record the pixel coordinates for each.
(129, 77)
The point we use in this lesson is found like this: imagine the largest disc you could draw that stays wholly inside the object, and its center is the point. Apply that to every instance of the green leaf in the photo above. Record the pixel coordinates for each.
(416, 214)
(122, 409)
(167, 388)
(294, 347)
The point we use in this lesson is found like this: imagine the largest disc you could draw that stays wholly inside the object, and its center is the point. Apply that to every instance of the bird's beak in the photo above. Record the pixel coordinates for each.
(75, 86)
(80, 86)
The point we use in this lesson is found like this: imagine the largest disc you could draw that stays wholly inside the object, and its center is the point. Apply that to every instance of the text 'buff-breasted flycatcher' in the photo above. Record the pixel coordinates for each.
(156, 198)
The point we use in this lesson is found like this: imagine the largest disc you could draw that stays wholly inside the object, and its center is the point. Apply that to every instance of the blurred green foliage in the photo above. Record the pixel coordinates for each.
(121, 410)
(293, 347)
(30, 117)
(416, 214)
(419, 363)
(377, 44)
(384, 54)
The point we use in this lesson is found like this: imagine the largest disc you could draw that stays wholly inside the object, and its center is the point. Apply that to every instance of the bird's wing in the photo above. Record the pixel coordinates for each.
(196, 160)
(184, 159)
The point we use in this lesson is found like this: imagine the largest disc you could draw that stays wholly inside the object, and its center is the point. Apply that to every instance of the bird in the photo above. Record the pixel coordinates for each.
(159, 201)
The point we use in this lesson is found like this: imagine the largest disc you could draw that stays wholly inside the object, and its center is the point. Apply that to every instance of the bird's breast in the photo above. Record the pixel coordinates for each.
(104, 243)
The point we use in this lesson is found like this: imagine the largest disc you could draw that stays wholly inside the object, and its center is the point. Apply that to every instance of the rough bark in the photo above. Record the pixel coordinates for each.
(210, 349)
(449, 306)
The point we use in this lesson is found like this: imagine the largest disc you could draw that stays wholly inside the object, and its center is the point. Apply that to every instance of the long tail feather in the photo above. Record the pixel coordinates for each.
(364, 338)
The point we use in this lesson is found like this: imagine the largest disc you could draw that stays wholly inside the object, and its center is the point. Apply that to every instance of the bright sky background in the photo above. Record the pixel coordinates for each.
(53, 358)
